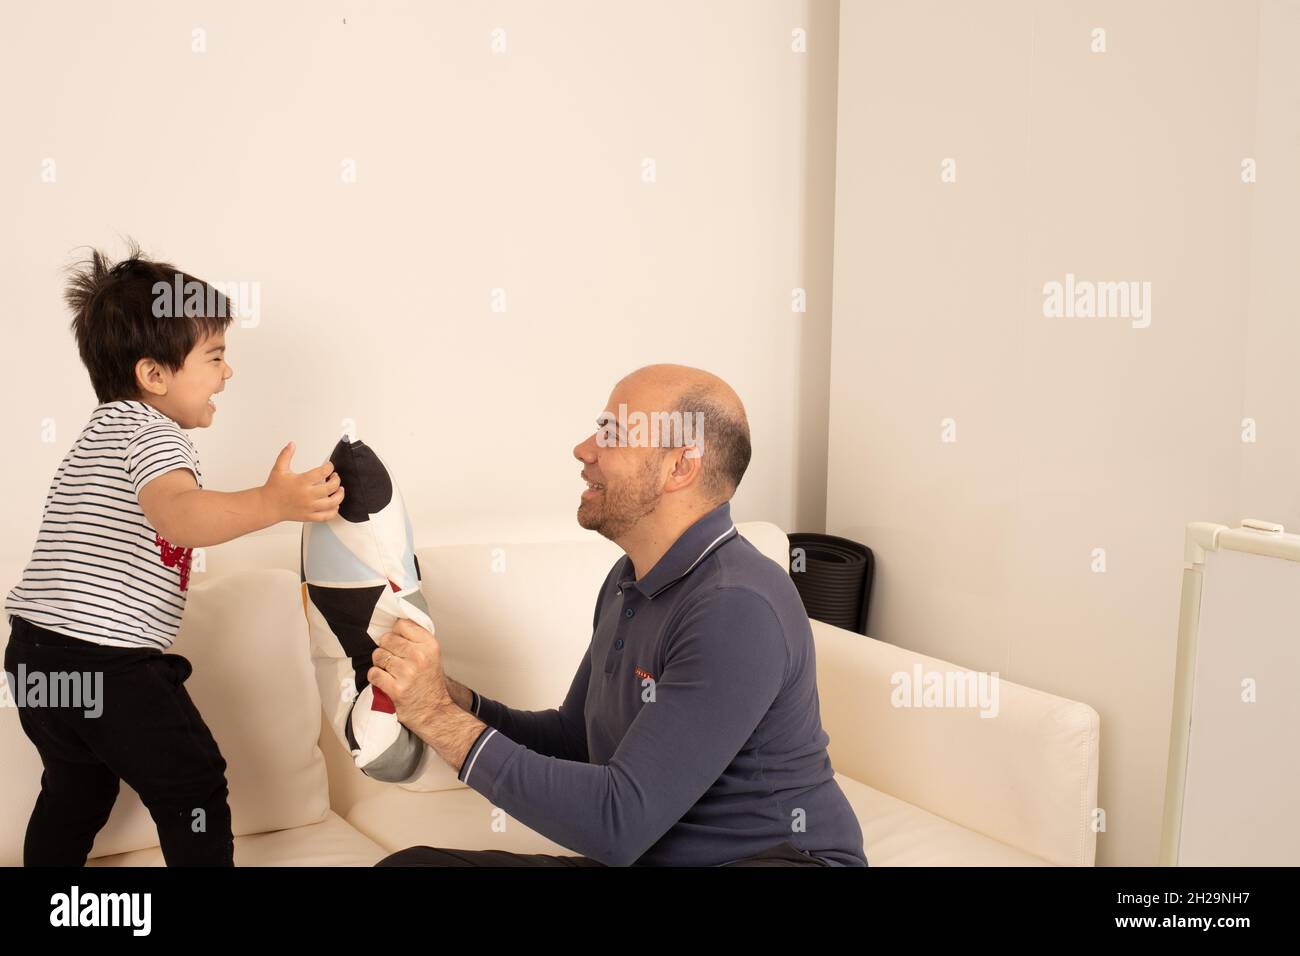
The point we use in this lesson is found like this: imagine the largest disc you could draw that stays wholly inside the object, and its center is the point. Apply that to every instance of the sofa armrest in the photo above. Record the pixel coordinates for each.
(1026, 776)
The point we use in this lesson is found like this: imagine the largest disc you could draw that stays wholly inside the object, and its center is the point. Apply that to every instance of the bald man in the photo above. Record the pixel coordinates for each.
(691, 734)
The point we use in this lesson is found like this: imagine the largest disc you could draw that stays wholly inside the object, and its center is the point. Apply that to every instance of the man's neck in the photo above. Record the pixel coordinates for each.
(651, 538)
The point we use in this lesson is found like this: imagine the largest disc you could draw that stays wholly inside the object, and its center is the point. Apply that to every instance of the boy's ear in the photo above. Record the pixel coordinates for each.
(150, 377)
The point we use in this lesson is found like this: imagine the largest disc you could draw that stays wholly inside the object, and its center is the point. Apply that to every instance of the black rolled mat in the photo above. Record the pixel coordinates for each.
(835, 583)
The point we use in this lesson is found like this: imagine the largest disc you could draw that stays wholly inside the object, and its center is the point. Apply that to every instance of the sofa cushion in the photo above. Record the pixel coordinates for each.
(332, 842)
(454, 819)
(897, 833)
(894, 833)
(277, 547)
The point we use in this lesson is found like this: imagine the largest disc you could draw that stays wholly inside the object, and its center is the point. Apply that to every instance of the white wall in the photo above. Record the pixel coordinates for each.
(475, 170)
(1071, 434)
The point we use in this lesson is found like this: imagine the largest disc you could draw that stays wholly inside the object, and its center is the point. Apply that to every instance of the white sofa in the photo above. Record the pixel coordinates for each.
(931, 786)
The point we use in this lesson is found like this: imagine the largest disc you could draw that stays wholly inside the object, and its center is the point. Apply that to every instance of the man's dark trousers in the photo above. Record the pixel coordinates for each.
(782, 854)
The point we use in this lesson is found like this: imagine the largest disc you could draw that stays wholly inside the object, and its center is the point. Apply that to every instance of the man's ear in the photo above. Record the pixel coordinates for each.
(686, 467)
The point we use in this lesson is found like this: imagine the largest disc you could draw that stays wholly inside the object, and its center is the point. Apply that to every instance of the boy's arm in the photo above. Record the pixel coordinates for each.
(188, 516)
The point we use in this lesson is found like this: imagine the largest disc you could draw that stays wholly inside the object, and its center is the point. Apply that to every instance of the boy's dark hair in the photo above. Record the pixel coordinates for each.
(120, 314)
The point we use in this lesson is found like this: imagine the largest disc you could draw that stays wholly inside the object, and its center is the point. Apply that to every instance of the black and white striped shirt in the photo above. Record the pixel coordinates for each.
(100, 571)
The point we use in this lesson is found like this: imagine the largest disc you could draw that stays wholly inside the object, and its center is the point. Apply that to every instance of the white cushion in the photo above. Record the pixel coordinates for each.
(896, 833)
(332, 842)
(451, 819)
(277, 547)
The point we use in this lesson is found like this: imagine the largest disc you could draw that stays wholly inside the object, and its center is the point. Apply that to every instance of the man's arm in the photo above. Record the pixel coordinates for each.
(462, 695)
(552, 733)
(725, 665)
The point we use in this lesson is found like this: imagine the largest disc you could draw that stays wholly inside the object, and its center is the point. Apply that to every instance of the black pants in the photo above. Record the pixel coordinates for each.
(148, 733)
(782, 854)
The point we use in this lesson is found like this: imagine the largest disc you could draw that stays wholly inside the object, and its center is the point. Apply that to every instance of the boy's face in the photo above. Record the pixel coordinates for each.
(186, 395)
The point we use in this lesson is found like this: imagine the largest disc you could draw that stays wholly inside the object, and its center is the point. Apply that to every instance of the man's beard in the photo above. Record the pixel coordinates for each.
(617, 509)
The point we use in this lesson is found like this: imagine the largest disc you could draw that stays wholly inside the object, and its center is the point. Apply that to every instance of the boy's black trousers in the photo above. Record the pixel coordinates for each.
(148, 733)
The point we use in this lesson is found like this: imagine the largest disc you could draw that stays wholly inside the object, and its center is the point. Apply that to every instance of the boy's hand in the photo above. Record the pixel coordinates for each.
(311, 496)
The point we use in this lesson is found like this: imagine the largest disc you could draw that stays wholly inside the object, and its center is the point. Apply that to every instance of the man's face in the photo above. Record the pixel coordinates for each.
(628, 480)
(189, 394)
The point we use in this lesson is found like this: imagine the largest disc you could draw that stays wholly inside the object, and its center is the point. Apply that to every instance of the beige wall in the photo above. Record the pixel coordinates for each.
(474, 171)
(1071, 433)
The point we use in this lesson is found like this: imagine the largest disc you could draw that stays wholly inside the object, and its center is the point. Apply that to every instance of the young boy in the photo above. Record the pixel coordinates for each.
(105, 588)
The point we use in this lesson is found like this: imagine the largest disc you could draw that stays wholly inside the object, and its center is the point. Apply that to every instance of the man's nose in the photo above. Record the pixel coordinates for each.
(584, 451)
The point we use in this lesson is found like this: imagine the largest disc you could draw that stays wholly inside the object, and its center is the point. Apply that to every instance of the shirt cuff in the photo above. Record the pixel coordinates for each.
(490, 752)
(473, 702)
(487, 710)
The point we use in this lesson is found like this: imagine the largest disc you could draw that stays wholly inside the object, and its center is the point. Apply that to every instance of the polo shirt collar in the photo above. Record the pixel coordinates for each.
(694, 544)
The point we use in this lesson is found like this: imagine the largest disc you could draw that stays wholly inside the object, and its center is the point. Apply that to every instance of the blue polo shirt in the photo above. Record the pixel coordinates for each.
(691, 735)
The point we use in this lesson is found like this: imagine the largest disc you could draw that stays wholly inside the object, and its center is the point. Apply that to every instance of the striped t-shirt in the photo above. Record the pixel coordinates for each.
(100, 571)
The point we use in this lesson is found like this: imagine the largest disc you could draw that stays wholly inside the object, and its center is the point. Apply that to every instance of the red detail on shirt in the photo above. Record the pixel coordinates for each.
(173, 556)
(382, 702)
(644, 674)
(392, 585)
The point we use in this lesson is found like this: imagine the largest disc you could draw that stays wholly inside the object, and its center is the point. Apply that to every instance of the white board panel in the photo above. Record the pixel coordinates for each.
(1241, 797)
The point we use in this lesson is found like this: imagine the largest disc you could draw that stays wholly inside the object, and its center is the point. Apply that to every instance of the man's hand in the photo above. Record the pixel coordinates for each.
(408, 668)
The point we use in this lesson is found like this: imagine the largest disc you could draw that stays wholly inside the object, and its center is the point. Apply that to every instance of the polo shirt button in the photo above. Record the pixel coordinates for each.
(619, 643)
(629, 612)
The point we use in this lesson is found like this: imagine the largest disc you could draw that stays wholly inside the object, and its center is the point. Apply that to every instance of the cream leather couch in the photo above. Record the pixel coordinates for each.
(930, 786)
